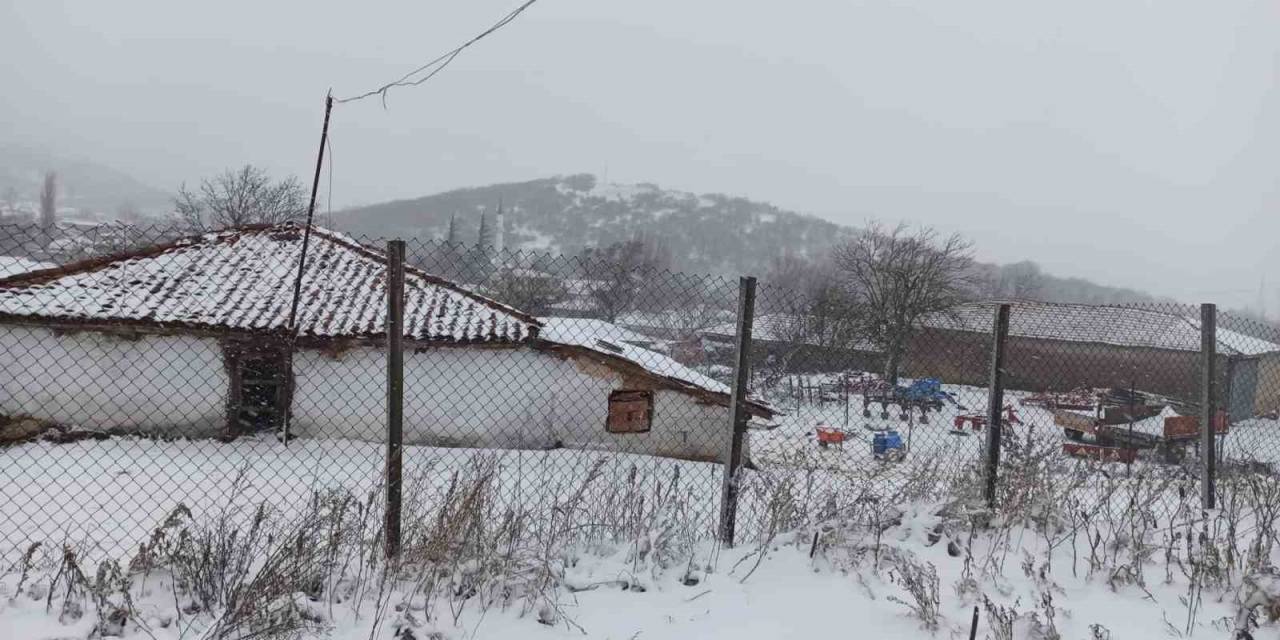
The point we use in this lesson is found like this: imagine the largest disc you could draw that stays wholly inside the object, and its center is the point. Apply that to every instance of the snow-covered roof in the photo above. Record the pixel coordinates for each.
(601, 336)
(780, 327)
(599, 329)
(694, 316)
(14, 265)
(1101, 324)
(243, 279)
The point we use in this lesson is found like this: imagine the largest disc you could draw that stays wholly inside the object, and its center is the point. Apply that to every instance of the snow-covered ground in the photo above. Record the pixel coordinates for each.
(945, 446)
(105, 497)
(919, 574)
(103, 494)
(14, 265)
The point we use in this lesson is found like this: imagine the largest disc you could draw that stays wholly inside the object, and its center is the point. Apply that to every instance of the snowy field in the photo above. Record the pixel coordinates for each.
(946, 447)
(1034, 577)
(104, 496)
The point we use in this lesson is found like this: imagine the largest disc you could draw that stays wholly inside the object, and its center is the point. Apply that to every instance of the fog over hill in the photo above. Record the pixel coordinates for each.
(705, 233)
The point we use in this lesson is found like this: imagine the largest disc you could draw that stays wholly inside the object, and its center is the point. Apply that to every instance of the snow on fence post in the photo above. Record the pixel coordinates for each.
(738, 415)
(995, 404)
(1208, 410)
(395, 392)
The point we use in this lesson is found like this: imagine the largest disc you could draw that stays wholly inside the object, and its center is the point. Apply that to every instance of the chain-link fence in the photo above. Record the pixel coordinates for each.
(146, 368)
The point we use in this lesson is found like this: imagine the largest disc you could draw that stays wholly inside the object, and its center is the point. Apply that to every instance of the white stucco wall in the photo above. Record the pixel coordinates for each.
(170, 384)
(458, 397)
(496, 398)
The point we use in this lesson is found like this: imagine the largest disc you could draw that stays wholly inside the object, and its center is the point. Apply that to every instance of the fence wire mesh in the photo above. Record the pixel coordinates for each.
(147, 368)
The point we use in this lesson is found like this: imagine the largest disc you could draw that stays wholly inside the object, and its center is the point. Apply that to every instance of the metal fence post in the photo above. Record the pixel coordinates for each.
(995, 403)
(1208, 401)
(395, 393)
(737, 411)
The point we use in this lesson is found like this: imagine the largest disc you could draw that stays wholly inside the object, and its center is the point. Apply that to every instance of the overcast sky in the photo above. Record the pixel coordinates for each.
(1133, 142)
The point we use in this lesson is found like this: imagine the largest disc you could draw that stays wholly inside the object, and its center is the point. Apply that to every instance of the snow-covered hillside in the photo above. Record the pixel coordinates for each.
(705, 232)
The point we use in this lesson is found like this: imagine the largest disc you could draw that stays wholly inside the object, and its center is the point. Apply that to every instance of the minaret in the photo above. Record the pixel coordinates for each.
(452, 237)
(499, 232)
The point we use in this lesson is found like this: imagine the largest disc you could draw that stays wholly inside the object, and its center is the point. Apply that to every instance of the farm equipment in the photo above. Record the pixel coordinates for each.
(1106, 438)
(865, 383)
(1092, 451)
(923, 395)
(1077, 399)
(978, 421)
(888, 446)
(829, 436)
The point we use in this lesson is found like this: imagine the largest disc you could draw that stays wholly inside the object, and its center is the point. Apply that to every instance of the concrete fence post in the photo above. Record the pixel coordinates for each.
(1208, 404)
(738, 414)
(995, 404)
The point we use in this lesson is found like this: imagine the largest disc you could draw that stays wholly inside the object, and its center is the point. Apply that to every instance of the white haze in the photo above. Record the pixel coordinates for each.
(1133, 142)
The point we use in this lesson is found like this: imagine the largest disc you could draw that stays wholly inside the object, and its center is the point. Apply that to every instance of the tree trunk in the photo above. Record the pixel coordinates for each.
(892, 362)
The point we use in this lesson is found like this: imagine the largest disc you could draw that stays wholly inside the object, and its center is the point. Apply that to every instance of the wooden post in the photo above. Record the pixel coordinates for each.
(995, 403)
(1208, 401)
(395, 393)
(737, 411)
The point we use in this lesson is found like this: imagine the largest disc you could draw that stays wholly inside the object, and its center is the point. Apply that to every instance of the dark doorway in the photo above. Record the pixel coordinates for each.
(261, 381)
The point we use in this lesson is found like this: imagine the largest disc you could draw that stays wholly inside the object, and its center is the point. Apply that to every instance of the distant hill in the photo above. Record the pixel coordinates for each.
(706, 233)
(82, 184)
(710, 233)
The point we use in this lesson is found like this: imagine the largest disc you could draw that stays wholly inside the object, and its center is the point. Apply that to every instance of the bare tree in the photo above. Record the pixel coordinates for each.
(682, 306)
(787, 273)
(1021, 280)
(49, 201)
(806, 308)
(529, 290)
(621, 273)
(235, 198)
(128, 213)
(813, 297)
(10, 200)
(899, 275)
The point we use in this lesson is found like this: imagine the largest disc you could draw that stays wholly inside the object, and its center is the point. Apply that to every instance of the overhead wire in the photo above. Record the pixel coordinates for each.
(430, 69)
(438, 64)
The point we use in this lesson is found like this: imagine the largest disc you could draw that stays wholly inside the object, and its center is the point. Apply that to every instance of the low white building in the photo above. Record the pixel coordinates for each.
(191, 338)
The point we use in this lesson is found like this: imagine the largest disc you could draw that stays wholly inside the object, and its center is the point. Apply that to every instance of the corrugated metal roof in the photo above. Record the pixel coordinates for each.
(1101, 324)
(243, 280)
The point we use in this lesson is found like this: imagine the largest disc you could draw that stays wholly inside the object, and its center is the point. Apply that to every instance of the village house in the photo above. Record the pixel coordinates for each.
(796, 344)
(192, 338)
